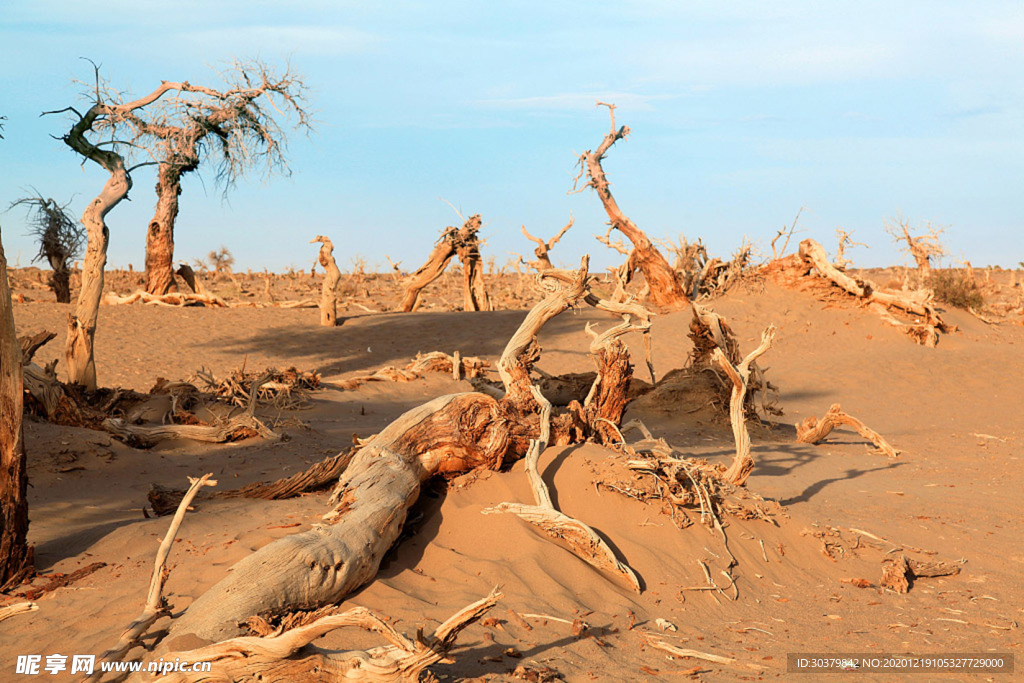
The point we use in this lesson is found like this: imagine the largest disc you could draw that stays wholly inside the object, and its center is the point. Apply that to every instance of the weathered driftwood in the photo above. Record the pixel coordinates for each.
(449, 434)
(465, 243)
(581, 539)
(279, 658)
(329, 291)
(15, 555)
(899, 572)
(435, 361)
(813, 430)
(156, 604)
(709, 331)
(743, 462)
(917, 303)
(169, 299)
(665, 287)
(543, 248)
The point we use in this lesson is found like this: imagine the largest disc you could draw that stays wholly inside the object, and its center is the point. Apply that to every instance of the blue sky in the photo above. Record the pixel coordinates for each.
(741, 114)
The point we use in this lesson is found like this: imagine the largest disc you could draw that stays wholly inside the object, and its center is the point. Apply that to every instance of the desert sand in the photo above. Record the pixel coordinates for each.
(809, 582)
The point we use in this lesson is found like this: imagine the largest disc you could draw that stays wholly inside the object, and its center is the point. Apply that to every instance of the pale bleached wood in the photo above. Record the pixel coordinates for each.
(743, 462)
(813, 430)
(8, 611)
(173, 299)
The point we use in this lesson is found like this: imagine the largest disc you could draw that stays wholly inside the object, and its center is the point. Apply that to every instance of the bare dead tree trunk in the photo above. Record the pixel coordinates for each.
(464, 242)
(60, 281)
(15, 556)
(82, 324)
(665, 288)
(329, 292)
(160, 235)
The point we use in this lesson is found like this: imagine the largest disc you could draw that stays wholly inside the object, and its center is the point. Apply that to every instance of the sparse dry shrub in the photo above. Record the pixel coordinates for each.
(956, 288)
(221, 260)
(61, 239)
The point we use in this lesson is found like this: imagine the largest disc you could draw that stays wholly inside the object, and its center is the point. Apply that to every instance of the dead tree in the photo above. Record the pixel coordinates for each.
(60, 237)
(237, 124)
(922, 247)
(665, 288)
(465, 243)
(329, 292)
(100, 117)
(15, 555)
(543, 248)
(449, 434)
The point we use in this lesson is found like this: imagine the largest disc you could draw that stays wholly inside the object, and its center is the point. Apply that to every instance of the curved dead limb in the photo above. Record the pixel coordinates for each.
(521, 350)
(171, 299)
(435, 361)
(665, 287)
(279, 658)
(709, 331)
(813, 430)
(329, 291)
(743, 463)
(543, 248)
(156, 604)
(580, 538)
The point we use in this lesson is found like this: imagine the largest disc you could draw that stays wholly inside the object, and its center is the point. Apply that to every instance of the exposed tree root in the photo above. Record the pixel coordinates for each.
(435, 361)
(279, 657)
(580, 538)
(813, 430)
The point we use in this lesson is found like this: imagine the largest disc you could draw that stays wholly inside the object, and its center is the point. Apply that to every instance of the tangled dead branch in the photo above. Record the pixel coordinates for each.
(927, 323)
(464, 242)
(435, 361)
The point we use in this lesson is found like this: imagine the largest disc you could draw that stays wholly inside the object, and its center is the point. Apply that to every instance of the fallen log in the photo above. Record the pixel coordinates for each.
(812, 430)
(435, 361)
(449, 434)
(898, 573)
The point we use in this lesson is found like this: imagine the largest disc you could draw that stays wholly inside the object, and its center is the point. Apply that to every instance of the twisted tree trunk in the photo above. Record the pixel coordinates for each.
(665, 288)
(160, 235)
(15, 557)
(82, 324)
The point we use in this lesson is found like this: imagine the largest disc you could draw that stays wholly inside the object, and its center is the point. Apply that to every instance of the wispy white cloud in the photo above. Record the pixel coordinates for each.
(307, 39)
